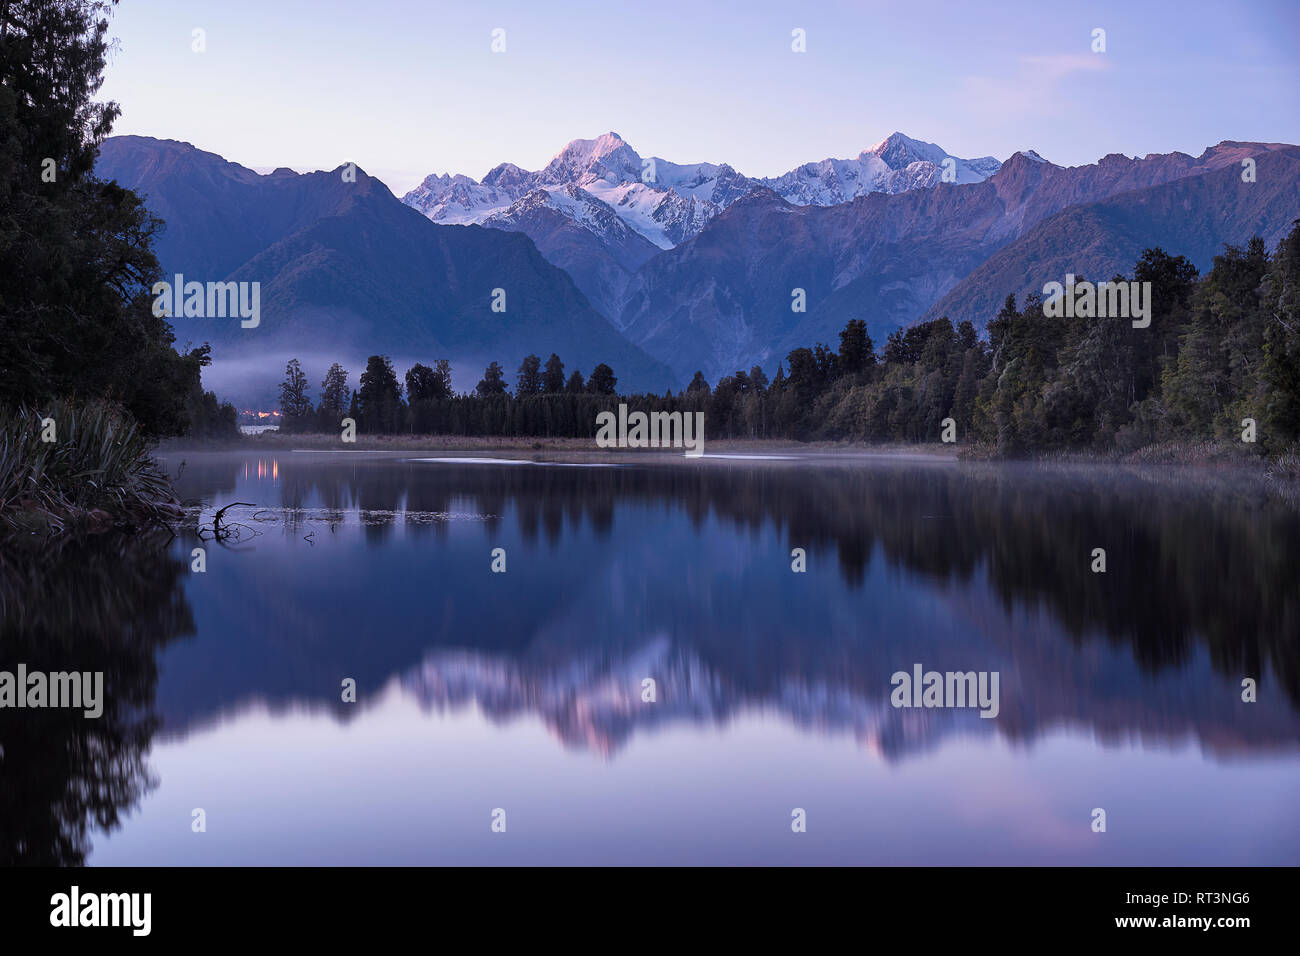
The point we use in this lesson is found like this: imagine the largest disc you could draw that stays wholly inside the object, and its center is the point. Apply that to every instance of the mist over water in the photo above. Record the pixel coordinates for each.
(252, 381)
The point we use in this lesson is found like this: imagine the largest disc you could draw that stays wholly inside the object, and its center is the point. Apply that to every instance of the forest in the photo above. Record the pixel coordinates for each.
(1219, 362)
(90, 379)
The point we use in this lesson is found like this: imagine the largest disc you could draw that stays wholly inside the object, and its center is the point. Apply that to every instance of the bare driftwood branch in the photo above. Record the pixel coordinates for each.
(216, 519)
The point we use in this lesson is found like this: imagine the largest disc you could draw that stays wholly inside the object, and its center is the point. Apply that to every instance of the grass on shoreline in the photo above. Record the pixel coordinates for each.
(97, 473)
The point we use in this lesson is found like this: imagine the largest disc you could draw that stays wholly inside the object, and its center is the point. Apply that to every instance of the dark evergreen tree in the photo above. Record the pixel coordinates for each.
(1280, 374)
(422, 384)
(529, 380)
(442, 379)
(333, 398)
(295, 406)
(857, 353)
(493, 381)
(828, 369)
(380, 396)
(553, 376)
(602, 381)
(76, 255)
(804, 379)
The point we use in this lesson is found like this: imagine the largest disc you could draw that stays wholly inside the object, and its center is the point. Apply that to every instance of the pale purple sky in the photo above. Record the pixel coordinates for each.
(406, 88)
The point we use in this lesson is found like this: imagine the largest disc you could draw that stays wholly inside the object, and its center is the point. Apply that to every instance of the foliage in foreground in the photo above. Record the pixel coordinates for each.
(97, 474)
(77, 259)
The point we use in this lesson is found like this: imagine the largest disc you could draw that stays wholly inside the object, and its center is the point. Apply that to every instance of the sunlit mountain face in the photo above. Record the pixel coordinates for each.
(377, 569)
(670, 202)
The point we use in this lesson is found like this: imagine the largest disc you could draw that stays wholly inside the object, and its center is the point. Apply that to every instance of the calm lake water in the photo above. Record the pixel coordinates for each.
(523, 690)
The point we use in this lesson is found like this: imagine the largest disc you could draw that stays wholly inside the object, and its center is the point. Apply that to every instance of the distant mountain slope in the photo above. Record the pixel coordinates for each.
(612, 170)
(696, 269)
(218, 214)
(346, 268)
(722, 301)
(583, 236)
(896, 164)
(664, 202)
(1192, 217)
(661, 202)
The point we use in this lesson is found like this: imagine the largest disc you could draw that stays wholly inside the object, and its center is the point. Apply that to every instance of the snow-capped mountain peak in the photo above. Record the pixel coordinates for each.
(667, 202)
(897, 151)
(896, 164)
(457, 199)
(571, 201)
(446, 180)
(607, 158)
(507, 176)
(1032, 155)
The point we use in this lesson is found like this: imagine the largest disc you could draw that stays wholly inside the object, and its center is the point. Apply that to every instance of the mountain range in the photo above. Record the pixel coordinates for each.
(698, 264)
(347, 270)
(1192, 216)
(723, 301)
(599, 210)
(661, 269)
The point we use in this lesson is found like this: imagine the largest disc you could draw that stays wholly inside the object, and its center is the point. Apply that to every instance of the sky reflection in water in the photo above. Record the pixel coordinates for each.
(523, 690)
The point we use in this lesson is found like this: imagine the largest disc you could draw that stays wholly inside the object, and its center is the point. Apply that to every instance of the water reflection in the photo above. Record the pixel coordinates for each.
(105, 604)
(378, 568)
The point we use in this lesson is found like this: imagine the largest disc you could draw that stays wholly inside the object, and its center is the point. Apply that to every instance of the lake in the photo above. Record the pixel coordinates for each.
(520, 696)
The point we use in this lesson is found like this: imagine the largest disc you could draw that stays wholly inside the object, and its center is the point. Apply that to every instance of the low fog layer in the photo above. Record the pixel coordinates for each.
(253, 382)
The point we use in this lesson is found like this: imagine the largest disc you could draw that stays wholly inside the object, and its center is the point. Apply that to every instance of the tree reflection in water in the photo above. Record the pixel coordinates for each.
(105, 603)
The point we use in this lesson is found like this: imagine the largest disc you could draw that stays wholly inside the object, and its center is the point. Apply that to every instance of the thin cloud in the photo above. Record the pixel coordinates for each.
(1057, 66)
(1033, 86)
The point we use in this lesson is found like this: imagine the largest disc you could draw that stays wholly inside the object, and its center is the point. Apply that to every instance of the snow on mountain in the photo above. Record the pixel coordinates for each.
(894, 165)
(596, 704)
(669, 203)
(662, 201)
(898, 151)
(710, 182)
(606, 187)
(607, 158)
(571, 201)
(458, 200)
(661, 215)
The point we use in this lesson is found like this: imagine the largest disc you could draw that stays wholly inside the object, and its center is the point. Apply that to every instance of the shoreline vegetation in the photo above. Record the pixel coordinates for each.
(1210, 374)
(90, 378)
(79, 467)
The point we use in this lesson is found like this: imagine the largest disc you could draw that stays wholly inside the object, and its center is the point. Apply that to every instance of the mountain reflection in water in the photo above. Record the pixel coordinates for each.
(377, 568)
